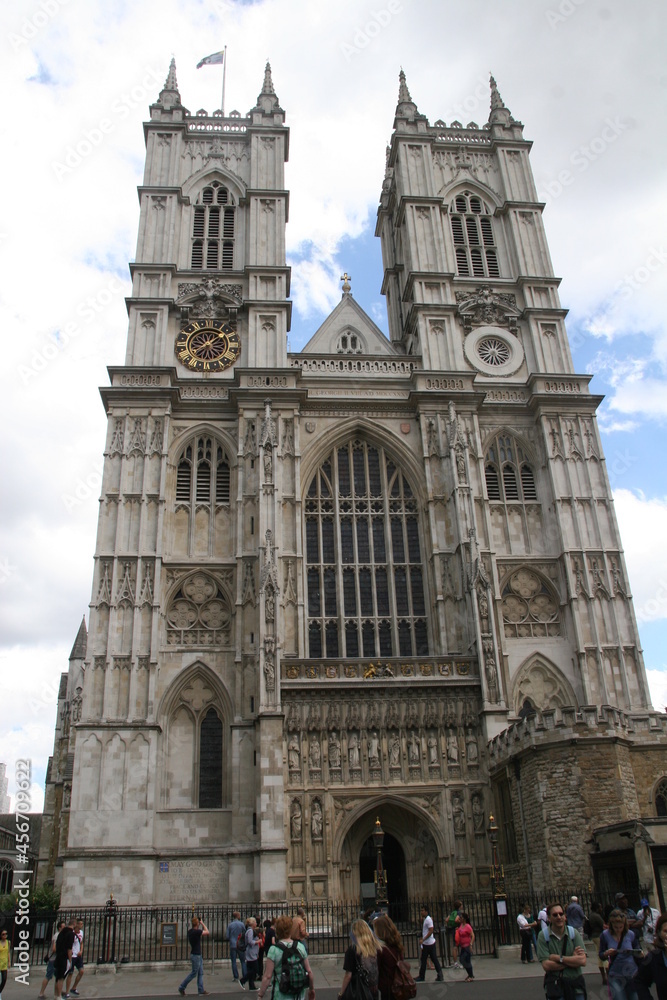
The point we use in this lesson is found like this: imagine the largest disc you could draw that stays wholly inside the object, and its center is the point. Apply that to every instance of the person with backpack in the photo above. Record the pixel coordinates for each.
(465, 938)
(286, 968)
(561, 951)
(394, 979)
(450, 931)
(236, 938)
(620, 946)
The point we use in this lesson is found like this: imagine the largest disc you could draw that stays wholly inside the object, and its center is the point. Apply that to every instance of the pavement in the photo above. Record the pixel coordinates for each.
(162, 979)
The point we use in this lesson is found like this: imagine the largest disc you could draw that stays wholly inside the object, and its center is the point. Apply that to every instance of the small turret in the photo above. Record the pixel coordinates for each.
(499, 114)
(267, 102)
(406, 109)
(169, 95)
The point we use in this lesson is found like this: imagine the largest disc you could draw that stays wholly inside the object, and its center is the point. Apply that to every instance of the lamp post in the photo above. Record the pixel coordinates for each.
(380, 874)
(497, 874)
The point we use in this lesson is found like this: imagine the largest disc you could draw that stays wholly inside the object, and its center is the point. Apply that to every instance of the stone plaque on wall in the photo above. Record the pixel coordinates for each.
(192, 881)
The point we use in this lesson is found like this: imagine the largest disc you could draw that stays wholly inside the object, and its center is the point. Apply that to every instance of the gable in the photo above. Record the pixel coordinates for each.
(349, 330)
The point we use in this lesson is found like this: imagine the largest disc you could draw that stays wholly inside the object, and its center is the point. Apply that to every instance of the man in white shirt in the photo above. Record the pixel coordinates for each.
(428, 950)
(648, 916)
(77, 961)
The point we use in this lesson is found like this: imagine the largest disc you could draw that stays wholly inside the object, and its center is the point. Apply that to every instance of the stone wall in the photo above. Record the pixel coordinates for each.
(570, 773)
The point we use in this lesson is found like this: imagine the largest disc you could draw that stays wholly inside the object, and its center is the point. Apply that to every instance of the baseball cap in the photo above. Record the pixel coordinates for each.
(620, 895)
(644, 902)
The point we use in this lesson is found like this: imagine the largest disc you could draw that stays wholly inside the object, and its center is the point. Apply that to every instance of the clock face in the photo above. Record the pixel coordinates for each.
(206, 346)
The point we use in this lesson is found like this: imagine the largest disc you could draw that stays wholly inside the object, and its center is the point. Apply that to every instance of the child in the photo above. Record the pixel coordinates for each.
(465, 937)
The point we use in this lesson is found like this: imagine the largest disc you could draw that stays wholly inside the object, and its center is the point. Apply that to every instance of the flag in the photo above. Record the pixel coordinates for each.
(213, 60)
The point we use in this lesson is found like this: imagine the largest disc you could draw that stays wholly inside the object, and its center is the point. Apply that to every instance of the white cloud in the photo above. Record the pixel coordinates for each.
(657, 682)
(643, 524)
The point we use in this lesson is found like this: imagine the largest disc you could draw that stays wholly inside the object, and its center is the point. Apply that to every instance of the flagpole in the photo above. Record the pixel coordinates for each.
(224, 74)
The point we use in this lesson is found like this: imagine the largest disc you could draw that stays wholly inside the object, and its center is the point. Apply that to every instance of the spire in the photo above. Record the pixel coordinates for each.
(169, 95)
(500, 115)
(80, 643)
(267, 102)
(403, 92)
(267, 87)
(406, 107)
(171, 83)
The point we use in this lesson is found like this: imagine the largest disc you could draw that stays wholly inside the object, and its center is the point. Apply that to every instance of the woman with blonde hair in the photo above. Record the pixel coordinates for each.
(273, 963)
(360, 965)
(619, 946)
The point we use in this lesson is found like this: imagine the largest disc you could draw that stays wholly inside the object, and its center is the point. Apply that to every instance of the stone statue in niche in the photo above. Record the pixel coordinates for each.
(478, 813)
(431, 437)
(413, 750)
(432, 744)
(270, 605)
(315, 754)
(490, 671)
(472, 752)
(294, 754)
(458, 815)
(77, 702)
(295, 820)
(288, 437)
(334, 751)
(268, 464)
(353, 752)
(395, 751)
(452, 749)
(316, 821)
(374, 750)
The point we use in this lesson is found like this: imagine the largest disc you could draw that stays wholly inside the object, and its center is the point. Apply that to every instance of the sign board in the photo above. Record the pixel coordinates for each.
(501, 907)
(168, 935)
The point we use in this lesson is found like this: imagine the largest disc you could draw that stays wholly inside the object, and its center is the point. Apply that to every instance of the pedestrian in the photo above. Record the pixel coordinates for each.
(619, 944)
(236, 938)
(299, 932)
(50, 962)
(465, 938)
(195, 934)
(428, 949)
(542, 920)
(621, 903)
(575, 915)
(596, 925)
(392, 953)
(4, 960)
(64, 944)
(526, 927)
(561, 951)
(648, 916)
(274, 961)
(361, 960)
(450, 934)
(252, 936)
(269, 934)
(260, 950)
(77, 961)
(653, 969)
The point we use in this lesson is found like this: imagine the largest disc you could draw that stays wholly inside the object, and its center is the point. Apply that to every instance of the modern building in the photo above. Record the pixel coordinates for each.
(381, 577)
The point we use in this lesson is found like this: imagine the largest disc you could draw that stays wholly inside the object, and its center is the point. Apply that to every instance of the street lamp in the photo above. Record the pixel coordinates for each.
(380, 875)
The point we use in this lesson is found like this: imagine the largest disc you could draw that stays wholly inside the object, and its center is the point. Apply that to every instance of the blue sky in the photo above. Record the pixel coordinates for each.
(588, 81)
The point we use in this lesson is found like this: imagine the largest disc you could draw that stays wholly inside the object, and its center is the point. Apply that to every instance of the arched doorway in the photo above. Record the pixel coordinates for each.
(393, 857)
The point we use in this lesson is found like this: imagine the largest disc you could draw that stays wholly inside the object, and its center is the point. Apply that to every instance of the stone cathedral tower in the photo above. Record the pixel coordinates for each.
(359, 580)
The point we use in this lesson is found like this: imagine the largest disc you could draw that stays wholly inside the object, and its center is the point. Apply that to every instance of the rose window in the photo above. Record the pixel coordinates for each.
(493, 351)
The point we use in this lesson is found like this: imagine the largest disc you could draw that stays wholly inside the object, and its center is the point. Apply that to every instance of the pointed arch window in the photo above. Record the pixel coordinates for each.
(210, 761)
(529, 607)
(6, 878)
(508, 472)
(202, 472)
(364, 558)
(661, 798)
(213, 230)
(472, 231)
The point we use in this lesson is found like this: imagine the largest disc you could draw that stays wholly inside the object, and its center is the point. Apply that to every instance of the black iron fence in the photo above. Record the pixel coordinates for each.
(118, 934)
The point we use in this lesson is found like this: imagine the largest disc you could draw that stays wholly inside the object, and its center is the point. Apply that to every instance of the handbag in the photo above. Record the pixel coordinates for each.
(358, 987)
(553, 981)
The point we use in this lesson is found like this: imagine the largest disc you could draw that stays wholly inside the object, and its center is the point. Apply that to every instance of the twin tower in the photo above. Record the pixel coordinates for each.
(378, 577)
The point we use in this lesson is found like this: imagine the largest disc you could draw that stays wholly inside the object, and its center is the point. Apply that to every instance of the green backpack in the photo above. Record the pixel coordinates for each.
(293, 975)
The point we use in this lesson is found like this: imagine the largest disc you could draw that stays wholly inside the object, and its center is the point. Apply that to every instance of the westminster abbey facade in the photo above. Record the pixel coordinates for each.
(381, 577)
